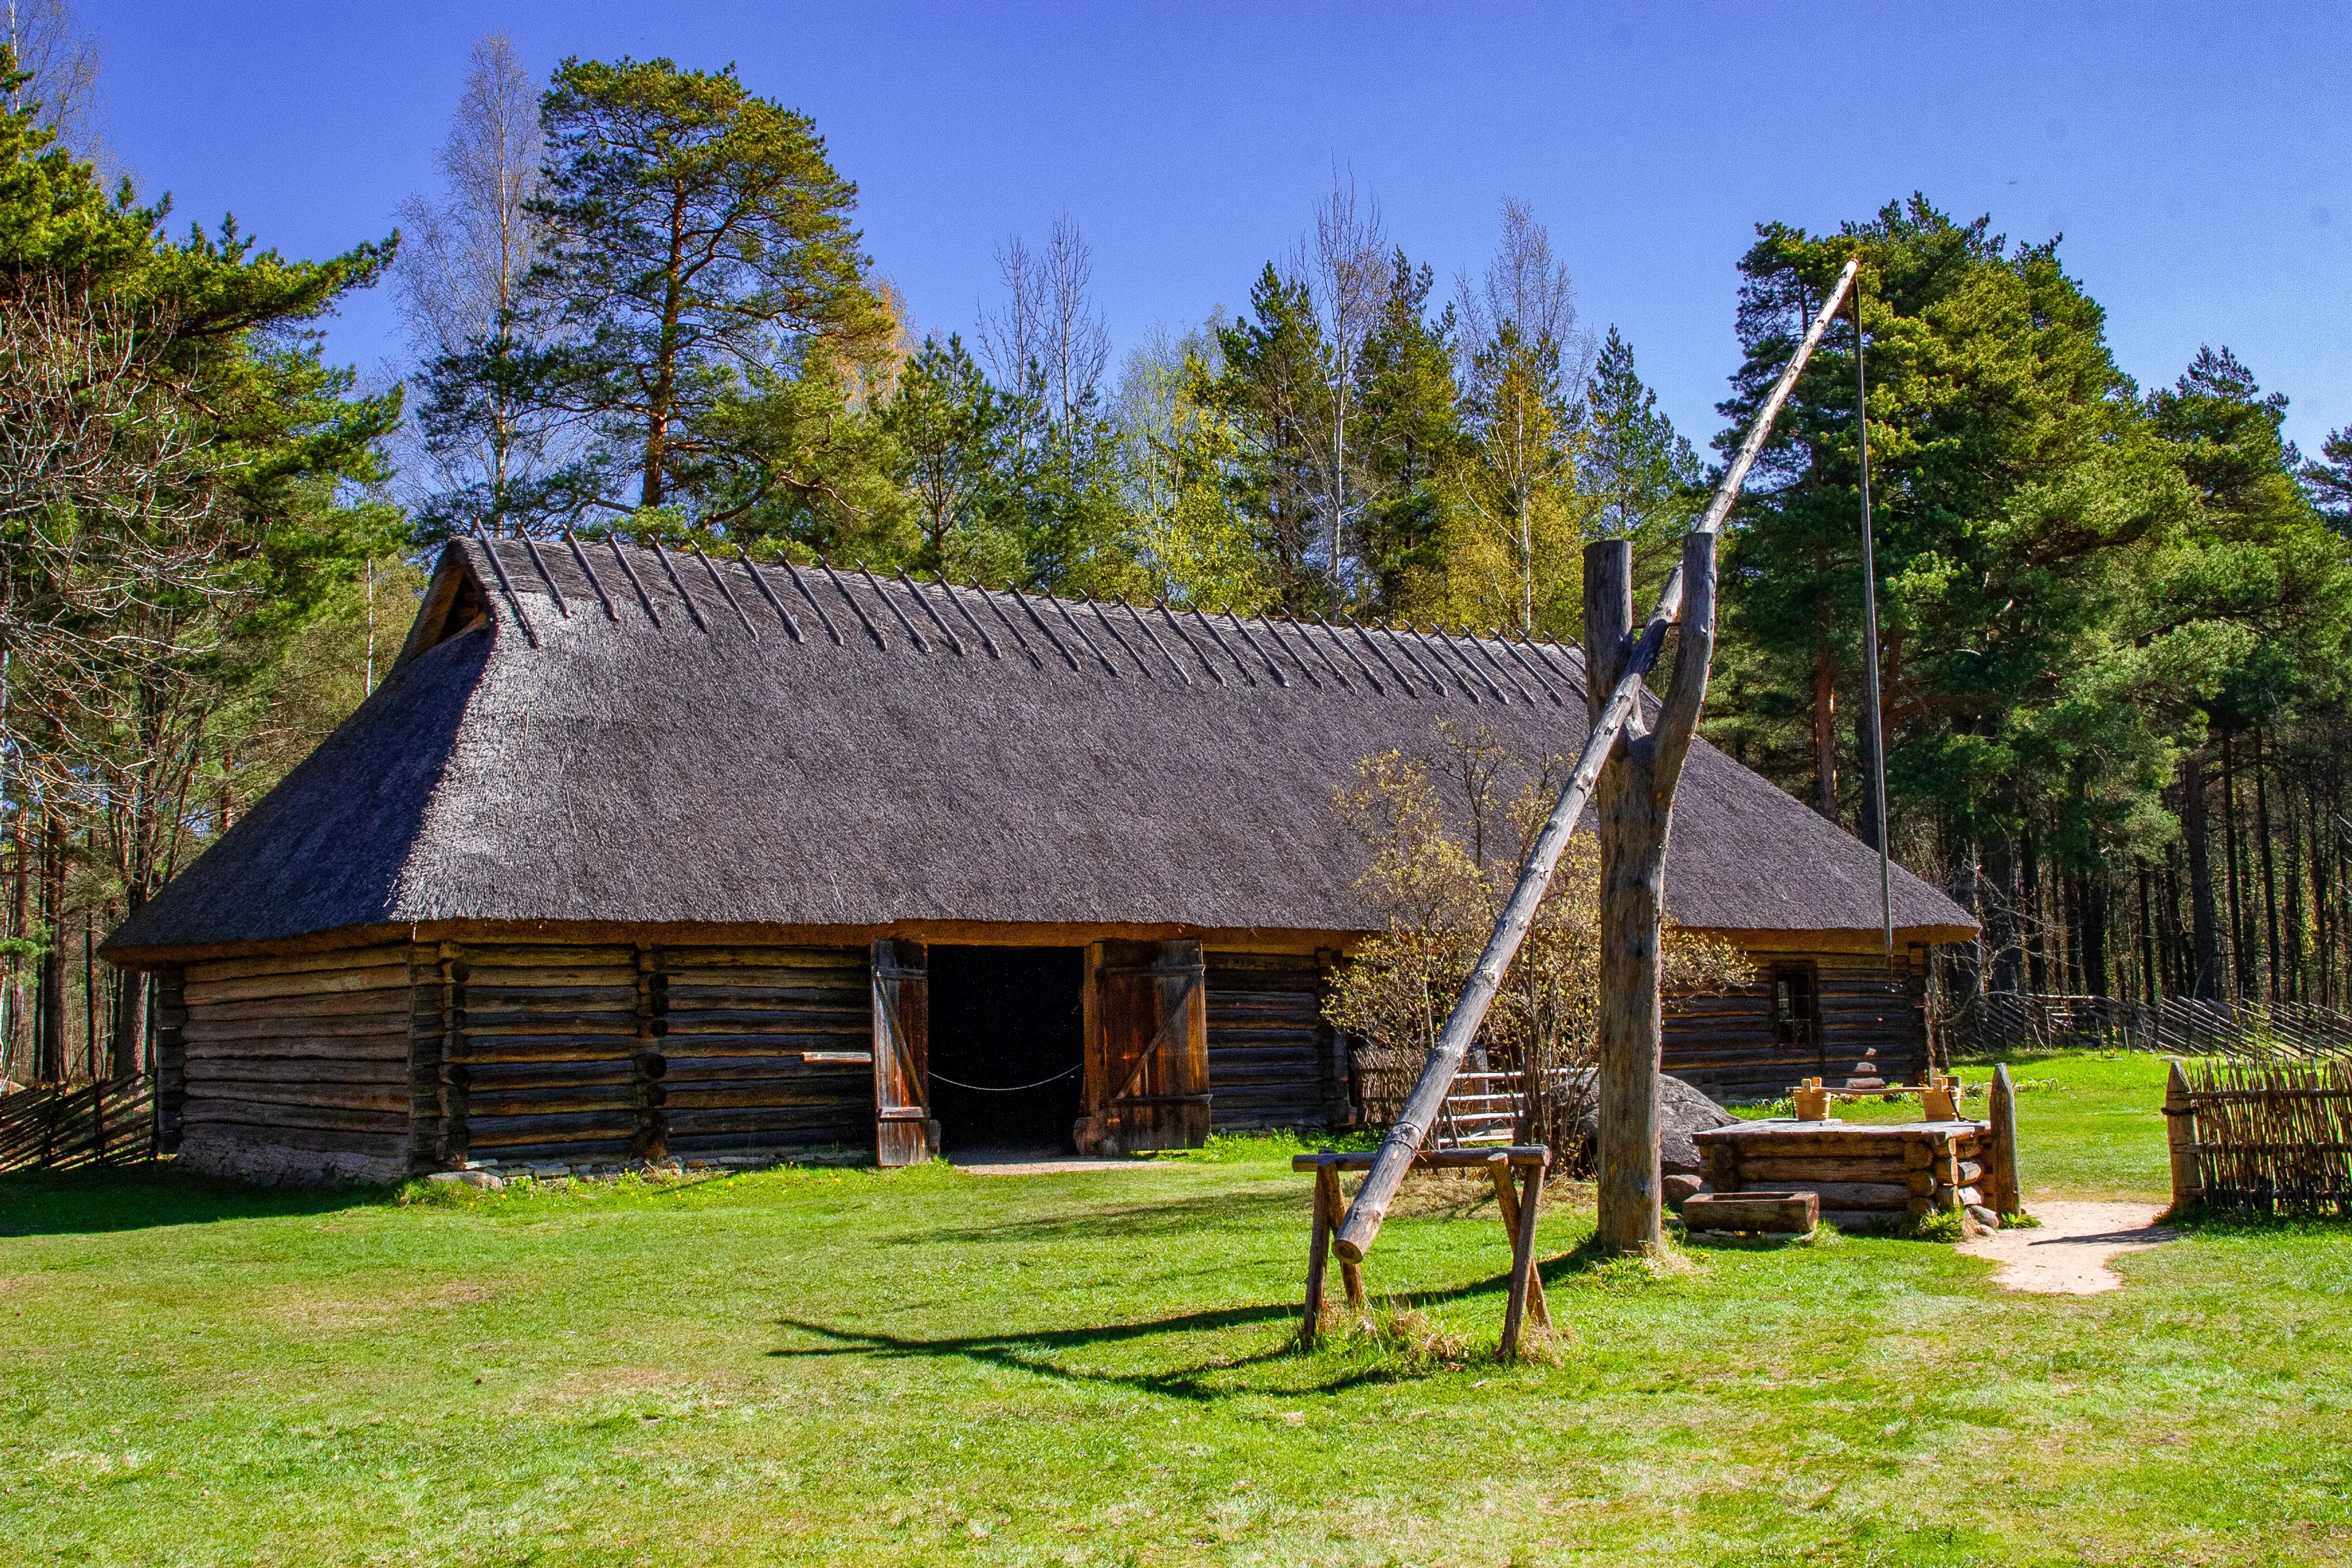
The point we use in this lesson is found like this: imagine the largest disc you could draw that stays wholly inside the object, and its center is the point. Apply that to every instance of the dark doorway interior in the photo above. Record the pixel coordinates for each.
(1002, 1017)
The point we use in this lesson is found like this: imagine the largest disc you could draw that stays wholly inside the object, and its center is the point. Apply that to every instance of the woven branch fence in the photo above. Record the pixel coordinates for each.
(2275, 1137)
(104, 1122)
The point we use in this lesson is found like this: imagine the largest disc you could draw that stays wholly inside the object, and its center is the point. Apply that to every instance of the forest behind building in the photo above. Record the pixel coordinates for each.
(2115, 617)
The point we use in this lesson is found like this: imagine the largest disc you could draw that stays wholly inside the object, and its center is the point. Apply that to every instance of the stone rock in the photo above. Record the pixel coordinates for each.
(1682, 1110)
(482, 1179)
(1678, 1187)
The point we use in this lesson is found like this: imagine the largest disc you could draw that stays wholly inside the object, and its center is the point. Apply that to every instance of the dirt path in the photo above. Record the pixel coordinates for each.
(2068, 1253)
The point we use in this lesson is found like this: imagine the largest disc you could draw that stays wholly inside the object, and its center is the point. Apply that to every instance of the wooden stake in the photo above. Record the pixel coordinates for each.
(2180, 1139)
(2001, 1157)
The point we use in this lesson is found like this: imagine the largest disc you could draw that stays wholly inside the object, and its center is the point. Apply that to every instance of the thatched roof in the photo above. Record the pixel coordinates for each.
(604, 734)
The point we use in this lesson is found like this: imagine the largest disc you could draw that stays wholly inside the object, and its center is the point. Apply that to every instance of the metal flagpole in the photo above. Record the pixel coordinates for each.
(1870, 634)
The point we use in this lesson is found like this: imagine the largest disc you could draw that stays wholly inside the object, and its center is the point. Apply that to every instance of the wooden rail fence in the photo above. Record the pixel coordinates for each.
(2177, 1025)
(2275, 1137)
(103, 1123)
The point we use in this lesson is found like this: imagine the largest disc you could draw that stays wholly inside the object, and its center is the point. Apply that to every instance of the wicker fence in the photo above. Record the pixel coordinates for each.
(2273, 1137)
(2177, 1026)
(104, 1122)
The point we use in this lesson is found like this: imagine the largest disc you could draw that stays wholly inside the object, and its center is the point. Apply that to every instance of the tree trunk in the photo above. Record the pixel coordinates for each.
(2147, 981)
(1825, 736)
(52, 1068)
(2270, 873)
(2004, 920)
(2241, 969)
(2205, 940)
(2037, 963)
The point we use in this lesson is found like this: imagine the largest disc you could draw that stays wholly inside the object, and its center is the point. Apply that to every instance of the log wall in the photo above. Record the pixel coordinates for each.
(297, 1068)
(767, 1047)
(375, 1064)
(1870, 1024)
(541, 1060)
(1272, 1060)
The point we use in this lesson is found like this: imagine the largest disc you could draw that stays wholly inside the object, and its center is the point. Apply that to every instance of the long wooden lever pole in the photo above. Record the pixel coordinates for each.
(1428, 1097)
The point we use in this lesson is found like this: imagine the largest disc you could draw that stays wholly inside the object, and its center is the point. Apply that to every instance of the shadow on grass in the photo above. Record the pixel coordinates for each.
(1044, 1352)
(1127, 1219)
(92, 1199)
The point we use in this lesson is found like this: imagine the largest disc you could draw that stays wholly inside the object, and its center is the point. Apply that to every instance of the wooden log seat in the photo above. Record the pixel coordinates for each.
(1766, 1214)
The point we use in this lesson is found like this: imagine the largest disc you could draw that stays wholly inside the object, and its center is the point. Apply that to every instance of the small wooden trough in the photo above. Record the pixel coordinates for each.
(1866, 1176)
(1764, 1214)
(1517, 1201)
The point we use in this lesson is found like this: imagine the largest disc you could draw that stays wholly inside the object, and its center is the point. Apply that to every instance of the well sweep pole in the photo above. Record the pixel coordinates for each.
(1428, 1097)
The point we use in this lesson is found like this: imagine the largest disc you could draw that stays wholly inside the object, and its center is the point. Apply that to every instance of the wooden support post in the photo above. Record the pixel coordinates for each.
(1523, 1261)
(2180, 1140)
(2000, 1154)
(1507, 1199)
(1352, 1275)
(1318, 1251)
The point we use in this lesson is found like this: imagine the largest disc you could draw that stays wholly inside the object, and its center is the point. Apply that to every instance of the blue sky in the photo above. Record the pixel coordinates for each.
(2195, 157)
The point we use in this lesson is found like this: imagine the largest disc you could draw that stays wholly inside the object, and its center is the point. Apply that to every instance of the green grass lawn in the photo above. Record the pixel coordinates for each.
(921, 1366)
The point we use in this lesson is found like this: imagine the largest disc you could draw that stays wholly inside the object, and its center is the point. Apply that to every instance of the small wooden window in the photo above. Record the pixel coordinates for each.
(1792, 1006)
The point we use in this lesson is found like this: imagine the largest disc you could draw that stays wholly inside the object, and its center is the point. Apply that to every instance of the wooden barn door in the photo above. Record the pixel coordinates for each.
(1147, 1028)
(903, 1133)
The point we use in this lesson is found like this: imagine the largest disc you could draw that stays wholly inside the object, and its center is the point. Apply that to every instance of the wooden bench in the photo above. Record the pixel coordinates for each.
(1517, 1201)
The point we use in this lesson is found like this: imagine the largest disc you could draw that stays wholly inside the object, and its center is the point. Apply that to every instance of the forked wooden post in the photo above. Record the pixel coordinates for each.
(1636, 801)
(2180, 1140)
(1421, 1109)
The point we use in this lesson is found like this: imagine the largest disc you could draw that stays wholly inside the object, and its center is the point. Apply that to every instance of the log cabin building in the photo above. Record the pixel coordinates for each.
(637, 853)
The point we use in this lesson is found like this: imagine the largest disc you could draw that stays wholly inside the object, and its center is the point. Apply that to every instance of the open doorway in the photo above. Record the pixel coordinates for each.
(1007, 1047)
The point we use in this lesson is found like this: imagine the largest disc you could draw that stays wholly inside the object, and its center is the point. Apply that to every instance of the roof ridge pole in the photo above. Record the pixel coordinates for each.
(589, 572)
(855, 608)
(692, 609)
(1441, 646)
(1063, 606)
(1140, 667)
(822, 618)
(645, 599)
(725, 592)
(1011, 629)
(514, 601)
(1382, 654)
(915, 588)
(1353, 656)
(530, 548)
(1488, 654)
(1273, 668)
(891, 604)
(1177, 627)
(766, 592)
(1039, 621)
(1308, 638)
(1421, 1109)
(965, 611)
(1501, 637)
(1145, 627)
(1211, 627)
(1436, 684)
